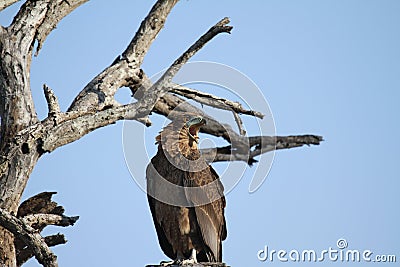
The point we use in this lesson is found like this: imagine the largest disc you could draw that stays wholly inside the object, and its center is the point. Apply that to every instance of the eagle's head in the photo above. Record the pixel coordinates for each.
(180, 137)
(193, 127)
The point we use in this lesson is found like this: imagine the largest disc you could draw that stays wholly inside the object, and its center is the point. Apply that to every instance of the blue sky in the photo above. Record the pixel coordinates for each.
(325, 67)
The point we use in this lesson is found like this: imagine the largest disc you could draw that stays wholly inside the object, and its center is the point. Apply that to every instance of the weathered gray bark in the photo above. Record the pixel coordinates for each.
(24, 138)
(20, 145)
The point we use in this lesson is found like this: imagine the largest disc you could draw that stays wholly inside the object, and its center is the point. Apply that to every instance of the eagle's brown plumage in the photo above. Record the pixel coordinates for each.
(185, 195)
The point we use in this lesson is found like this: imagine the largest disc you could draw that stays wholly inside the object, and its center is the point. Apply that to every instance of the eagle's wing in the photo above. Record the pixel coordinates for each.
(156, 208)
(165, 245)
(205, 191)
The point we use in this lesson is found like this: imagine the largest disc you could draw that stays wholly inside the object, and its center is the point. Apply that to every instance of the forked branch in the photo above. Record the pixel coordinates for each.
(26, 253)
(124, 71)
(37, 212)
(31, 238)
(151, 95)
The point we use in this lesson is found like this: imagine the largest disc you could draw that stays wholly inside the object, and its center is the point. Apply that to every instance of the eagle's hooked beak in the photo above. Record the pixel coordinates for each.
(194, 125)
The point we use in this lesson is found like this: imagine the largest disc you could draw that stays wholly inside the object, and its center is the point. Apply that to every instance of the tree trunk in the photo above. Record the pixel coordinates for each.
(18, 152)
(14, 175)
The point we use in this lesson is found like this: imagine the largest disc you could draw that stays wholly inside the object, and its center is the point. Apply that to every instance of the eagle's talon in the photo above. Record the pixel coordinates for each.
(192, 260)
(167, 263)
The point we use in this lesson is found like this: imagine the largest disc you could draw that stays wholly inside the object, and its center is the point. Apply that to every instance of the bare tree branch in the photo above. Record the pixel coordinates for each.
(218, 28)
(36, 19)
(52, 101)
(99, 93)
(125, 71)
(282, 142)
(71, 128)
(6, 3)
(264, 144)
(26, 253)
(148, 31)
(31, 238)
(260, 145)
(213, 101)
(39, 221)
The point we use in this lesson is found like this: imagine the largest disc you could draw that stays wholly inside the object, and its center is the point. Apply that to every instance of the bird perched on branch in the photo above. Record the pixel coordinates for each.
(185, 195)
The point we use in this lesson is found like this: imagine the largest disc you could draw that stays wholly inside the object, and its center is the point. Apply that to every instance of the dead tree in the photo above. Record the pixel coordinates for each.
(24, 138)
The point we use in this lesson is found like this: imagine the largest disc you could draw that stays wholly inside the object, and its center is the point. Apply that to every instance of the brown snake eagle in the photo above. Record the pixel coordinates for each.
(185, 195)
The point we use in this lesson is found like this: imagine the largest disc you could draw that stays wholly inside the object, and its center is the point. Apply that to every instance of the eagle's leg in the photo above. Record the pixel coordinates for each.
(180, 260)
(191, 260)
